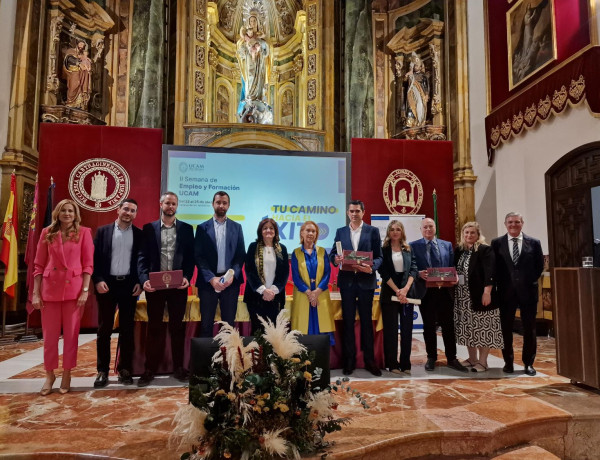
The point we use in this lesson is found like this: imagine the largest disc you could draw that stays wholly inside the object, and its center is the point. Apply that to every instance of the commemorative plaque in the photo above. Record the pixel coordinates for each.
(441, 277)
(166, 280)
(354, 258)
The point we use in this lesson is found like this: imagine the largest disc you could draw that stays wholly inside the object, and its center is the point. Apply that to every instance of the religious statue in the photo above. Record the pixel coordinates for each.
(77, 69)
(254, 57)
(417, 93)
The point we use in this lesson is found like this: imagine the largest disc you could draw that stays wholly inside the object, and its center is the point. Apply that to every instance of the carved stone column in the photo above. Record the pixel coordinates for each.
(458, 105)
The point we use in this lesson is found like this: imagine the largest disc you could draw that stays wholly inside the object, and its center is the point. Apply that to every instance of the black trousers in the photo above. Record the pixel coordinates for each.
(437, 307)
(390, 313)
(175, 300)
(507, 319)
(267, 310)
(119, 293)
(354, 298)
(226, 299)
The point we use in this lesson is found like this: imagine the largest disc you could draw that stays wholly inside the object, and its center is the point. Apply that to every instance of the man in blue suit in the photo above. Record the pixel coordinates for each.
(168, 244)
(219, 246)
(358, 287)
(437, 306)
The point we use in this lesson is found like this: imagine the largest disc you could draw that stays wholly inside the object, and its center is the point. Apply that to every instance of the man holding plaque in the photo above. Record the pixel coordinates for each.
(115, 277)
(220, 254)
(437, 306)
(358, 248)
(519, 265)
(166, 264)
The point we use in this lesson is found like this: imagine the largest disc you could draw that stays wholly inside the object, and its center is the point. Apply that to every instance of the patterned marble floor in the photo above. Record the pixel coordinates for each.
(443, 414)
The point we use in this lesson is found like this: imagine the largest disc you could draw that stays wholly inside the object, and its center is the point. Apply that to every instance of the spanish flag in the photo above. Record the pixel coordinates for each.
(9, 240)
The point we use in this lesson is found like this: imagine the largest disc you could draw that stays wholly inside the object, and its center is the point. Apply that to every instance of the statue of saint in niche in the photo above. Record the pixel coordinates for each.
(77, 70)
(417, 93)
(254, 57)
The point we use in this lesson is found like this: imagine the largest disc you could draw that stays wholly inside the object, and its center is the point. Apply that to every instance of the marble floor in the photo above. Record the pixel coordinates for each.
(440, 414)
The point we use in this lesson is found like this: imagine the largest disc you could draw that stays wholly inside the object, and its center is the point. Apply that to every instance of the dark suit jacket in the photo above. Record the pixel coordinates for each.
(388, 271)
(253, 282)
(149, 260)
(518, 284)
(103, 253)
(205, 250)
(369, 241)
(482, 269)
(419, 249)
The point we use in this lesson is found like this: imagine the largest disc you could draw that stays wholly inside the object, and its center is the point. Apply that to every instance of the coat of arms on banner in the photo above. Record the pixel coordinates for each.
(403, 192)
(99, 184)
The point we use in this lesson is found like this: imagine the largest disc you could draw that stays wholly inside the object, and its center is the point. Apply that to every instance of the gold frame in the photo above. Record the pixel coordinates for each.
(519, 9)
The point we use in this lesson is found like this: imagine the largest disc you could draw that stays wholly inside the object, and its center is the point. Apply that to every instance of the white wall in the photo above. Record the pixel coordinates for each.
(522, 163)
(485, 187)
(515, 182)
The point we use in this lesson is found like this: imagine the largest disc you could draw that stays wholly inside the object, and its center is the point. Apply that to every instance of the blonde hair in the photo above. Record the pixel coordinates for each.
(54, 227)
(386, 241)
(304, 225)
(480, 239)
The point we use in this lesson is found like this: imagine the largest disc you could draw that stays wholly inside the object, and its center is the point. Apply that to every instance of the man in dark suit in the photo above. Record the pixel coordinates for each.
(115, 278)
(519, 265)
(168, 244)
(219, 247)
(437, 306)
(358, 287)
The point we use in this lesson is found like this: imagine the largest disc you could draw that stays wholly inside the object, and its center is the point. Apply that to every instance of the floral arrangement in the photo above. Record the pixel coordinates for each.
(259, 401)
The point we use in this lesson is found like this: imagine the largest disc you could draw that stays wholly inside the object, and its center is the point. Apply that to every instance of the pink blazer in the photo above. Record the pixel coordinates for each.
(62, 264)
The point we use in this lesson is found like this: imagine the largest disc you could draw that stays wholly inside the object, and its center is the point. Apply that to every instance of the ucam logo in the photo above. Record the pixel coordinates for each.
(194, 167)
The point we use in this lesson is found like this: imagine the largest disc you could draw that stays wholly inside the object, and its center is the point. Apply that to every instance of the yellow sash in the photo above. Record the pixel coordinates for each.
(300, 304)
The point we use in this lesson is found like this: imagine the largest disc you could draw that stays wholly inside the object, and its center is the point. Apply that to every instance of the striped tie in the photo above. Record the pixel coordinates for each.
(515, 252)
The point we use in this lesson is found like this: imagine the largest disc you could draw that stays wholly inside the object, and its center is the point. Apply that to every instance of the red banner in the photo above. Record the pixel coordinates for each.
(378, 164)
(98, 166)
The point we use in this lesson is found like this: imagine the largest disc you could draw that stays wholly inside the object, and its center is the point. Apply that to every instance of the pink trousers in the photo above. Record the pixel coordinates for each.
(64, 315)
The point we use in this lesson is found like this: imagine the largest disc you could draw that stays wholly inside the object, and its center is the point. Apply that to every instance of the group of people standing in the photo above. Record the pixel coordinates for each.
(121, 257)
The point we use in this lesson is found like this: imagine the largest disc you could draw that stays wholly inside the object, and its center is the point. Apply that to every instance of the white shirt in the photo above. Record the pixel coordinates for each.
(398, 261)
(122, 244)
(355, 236)
(269, 267)
(519, 242)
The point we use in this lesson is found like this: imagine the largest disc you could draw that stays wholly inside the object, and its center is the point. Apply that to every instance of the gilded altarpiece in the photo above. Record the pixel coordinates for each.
(409, 74)
(75, 81)
(290, 35)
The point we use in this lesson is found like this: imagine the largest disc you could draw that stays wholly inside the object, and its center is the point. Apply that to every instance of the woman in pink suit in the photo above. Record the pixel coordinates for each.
(63, 266)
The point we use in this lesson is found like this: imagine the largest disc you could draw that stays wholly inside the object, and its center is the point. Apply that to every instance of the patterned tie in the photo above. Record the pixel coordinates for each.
(434, 255)
(515, 252)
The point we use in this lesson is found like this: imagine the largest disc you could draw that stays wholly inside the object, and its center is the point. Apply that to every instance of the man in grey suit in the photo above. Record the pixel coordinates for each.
(437, 306)
(519, 265)
(219, 246)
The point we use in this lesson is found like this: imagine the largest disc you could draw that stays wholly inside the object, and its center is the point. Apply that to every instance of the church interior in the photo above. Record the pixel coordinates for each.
(493, 104)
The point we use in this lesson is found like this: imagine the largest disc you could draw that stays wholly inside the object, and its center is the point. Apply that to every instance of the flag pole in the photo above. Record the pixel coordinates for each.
(435, 215)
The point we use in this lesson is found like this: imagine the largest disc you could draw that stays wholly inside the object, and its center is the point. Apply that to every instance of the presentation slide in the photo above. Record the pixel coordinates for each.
(290, 187)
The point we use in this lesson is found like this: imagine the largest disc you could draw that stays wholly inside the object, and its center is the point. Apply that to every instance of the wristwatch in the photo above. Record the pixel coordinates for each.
(86, 289)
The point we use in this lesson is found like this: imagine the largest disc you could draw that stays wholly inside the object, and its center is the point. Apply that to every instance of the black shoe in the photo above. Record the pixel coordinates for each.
(181, 374)
(508, 368)
(145, 379)
(347, 371)
(373, 369)
(430, 364)
(529, 370)
(457, 366)
(101, 380)
(125, 377)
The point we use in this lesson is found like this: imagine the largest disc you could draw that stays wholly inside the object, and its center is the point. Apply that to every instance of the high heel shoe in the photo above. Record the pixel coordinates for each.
(47, 388)
(65, 384)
